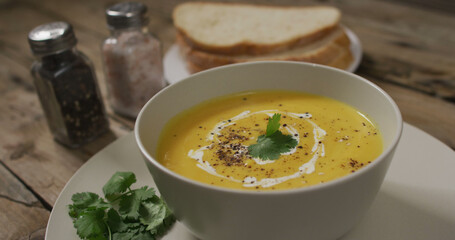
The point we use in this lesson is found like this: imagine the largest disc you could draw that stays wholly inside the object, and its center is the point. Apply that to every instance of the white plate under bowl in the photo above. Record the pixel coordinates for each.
(416, 200)
(175, 68)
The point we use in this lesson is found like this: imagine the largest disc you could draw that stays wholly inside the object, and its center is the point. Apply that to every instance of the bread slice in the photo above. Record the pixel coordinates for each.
(332, 50)
(234, 28)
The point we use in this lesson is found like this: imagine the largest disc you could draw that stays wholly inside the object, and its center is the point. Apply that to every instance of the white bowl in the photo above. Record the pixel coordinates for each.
(324, 211)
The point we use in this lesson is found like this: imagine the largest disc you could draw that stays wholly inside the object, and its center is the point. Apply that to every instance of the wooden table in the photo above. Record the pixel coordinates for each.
(409, 51)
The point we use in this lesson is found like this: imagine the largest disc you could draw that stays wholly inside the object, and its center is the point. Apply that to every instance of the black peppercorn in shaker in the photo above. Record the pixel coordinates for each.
(66, 85)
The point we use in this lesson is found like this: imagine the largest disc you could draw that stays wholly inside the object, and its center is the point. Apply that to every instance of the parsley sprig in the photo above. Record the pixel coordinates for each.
(273, 143)
(133, 214)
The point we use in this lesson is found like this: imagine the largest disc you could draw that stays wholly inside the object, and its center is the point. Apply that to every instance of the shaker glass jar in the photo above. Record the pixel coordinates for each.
(132, 59)
(66, 85)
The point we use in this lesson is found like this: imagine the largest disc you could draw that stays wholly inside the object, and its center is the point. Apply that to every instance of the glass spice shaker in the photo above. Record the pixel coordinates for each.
(132, 59)
(66, 85)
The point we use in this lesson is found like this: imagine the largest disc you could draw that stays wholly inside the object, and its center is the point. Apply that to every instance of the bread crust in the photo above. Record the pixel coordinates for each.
(251, 48)
(334, 53)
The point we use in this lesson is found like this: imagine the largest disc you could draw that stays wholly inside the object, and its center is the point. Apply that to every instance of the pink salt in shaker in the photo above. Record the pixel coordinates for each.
(132, 59)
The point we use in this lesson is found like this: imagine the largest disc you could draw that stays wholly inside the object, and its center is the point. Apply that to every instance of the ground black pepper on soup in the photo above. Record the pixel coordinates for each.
(266, 140)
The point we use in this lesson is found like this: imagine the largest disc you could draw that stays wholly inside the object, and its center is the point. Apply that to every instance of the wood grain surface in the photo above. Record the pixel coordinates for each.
(408, 51)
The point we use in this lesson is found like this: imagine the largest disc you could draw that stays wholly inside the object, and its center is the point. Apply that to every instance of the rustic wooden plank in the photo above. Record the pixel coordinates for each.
(424, 78)
(405, 49)
(39, 234)
(30, 152)
(13, 74)
(423, 111)
(444, 6)
(13, 190)
(13, 40)
(19, 221)
(22, 215)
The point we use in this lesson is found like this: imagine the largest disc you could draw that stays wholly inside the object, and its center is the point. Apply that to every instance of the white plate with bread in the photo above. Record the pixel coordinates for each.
(215, 34)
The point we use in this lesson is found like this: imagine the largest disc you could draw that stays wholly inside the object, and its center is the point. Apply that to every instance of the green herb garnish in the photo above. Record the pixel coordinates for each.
(136, 214)
(273, 143)
(273, 125)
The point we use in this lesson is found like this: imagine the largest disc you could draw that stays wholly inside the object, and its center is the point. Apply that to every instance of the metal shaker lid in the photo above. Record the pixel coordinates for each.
(126, 15)
(51, 37)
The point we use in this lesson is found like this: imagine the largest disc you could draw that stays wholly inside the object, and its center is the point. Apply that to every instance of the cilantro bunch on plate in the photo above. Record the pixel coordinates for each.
(125, 214)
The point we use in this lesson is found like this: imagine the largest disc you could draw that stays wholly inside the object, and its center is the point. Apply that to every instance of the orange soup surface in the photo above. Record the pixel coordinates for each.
(210, 142)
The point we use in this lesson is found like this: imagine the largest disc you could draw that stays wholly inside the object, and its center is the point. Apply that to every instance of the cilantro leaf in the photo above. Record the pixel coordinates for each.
(273, 124)
(129, 204)
(86, 199)
(118, 184)
(153, 214)
(98, 237)
(145, 193)
(273, 143)
(143, 236)
(270, 148)
(123, 236)
(156, 215)
(115, 222)
(82, 201)
(90, 224)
